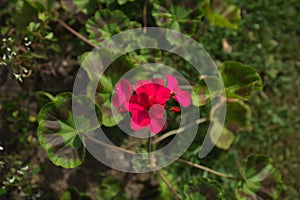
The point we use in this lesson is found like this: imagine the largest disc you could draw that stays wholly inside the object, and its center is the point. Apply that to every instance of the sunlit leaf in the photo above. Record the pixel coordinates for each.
(57, 133)
(240, 80)
(261, 180)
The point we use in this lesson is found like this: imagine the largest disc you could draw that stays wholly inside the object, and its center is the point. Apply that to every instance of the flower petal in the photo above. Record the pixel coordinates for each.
(157, 125)
(140, 118)
(156, 111)
(162, 95)
(123, 93)
(183, 97)
(134, 126)
(134, 104)
(158, 120)
(171, 82)
(116, 101)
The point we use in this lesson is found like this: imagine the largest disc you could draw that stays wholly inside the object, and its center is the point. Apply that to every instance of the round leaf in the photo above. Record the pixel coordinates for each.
(57, 133)
(261, 180)
(240, 80)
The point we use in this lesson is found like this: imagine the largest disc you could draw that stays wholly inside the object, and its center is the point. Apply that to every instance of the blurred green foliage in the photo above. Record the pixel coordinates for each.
(263, 34)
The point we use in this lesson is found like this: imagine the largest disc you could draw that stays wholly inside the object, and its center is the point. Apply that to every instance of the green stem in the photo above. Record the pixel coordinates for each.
(149, 147)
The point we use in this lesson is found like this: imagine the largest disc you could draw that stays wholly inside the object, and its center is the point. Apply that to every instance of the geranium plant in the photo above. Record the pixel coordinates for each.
(147, 99)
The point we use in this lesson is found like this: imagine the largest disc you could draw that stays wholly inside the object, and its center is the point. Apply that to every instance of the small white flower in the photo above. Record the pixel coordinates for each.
(12, 180)
(28, 43)
(20, 172)
(18, 77)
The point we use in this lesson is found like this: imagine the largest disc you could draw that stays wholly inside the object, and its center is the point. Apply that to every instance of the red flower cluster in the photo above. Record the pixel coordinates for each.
(147, 103)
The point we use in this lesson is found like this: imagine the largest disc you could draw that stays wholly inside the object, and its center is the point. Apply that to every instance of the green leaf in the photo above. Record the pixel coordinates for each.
(109, 119)
(49, 36)
(222, 14)
(201, 95)
(57, 133)
(76, 6)
(43, 98)
(144, 56)
(261, 180)
(26, 14)
(107, 2)
(42, 16)
(225, 139)
(122, 2)
(107, 23)
(164, 18)
(202, 189)
(240, 80)
(73, 193)
(111, 188)
(178, 17)
(39, 54)
(44, 5)
(237, 116)
(4, 30)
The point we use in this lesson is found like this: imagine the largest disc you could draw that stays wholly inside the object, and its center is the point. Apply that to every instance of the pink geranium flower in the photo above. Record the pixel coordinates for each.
(147, 105)
(146, 101)
(183, 97)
